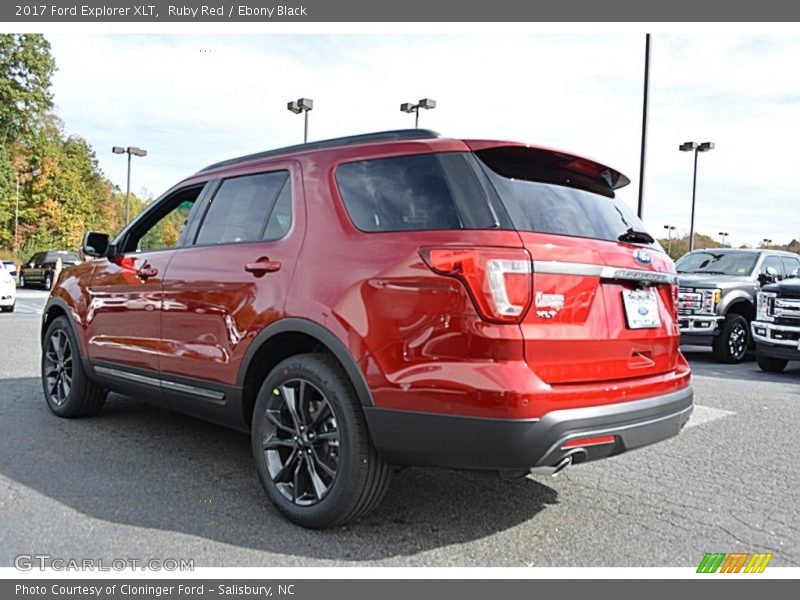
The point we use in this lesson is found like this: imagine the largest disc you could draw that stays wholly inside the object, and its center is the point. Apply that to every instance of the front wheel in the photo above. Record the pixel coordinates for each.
(770, 364)
(48, 282)
(730, 346)
(67, 388)
(311, 446)
(22, 281)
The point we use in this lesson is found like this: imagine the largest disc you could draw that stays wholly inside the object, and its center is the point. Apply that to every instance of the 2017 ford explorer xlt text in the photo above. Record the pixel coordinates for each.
(387, 299)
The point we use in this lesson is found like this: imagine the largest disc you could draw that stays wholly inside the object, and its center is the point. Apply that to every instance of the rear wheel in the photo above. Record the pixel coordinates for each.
(770, 364)
(311, 445)
(730, 346)
(48, 281)
(67, 388)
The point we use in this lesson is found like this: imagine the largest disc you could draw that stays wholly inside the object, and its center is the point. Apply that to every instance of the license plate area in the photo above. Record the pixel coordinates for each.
(641, 309)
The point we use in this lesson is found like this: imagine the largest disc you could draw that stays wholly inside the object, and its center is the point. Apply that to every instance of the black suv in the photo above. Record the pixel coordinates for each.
(40, 268)
(717, 295)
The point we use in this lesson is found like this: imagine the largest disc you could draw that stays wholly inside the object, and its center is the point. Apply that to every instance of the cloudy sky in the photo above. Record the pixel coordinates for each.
(192, 100)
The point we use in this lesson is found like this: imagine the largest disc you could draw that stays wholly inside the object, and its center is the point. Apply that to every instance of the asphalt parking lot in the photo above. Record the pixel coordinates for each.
(141, 482)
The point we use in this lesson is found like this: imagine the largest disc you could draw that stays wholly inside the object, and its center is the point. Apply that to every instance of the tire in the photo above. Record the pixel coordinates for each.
(48, 281)
(341, 476)
(21, 281)
(67, 388)
(731, 345)
(770, 364)
(9, 308)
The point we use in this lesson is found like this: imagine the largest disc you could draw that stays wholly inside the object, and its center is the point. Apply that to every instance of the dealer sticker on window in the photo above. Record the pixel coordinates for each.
(641, 309)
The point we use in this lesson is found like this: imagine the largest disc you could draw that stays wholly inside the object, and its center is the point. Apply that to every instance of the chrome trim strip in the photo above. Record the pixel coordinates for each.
(557, 267)
(136, 378)
(212, 395)
(770, 328)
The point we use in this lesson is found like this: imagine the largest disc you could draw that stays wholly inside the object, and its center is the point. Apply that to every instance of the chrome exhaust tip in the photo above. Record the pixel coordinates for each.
(566, 460)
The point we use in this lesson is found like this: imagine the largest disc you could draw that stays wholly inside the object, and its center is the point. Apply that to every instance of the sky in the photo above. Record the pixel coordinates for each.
(192, 100)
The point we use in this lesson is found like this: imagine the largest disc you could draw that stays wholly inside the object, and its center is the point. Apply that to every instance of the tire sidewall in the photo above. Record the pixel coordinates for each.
(48, 281)
(345, 489)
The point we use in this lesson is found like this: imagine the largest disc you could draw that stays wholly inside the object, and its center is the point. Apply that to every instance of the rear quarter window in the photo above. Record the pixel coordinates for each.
(406, 193)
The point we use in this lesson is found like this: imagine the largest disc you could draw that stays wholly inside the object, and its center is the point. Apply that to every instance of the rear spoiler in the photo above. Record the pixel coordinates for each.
(546, 165)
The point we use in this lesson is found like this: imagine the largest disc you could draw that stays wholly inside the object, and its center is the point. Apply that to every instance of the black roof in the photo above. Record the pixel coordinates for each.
(365, 138)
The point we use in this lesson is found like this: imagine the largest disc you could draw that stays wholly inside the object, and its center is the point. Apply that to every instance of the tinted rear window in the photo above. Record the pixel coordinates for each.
(558, 209)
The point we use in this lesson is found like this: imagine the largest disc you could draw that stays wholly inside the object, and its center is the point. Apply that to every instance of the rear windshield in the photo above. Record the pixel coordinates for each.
(718, 263)
(557, 209)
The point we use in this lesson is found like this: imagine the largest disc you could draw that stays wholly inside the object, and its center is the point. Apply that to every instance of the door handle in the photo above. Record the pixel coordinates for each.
(146, 271)
(262, 265)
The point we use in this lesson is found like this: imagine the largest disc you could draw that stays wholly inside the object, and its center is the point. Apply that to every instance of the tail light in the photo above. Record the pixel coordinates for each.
(499, 280)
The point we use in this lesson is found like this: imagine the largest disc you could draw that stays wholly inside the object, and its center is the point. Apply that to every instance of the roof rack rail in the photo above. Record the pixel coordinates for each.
(380, 136)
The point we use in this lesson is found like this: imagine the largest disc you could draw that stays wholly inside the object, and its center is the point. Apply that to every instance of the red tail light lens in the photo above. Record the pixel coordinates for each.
(499, 280)
(675, 300)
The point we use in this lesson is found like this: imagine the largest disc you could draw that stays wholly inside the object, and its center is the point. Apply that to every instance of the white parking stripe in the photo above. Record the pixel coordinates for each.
(707, 414)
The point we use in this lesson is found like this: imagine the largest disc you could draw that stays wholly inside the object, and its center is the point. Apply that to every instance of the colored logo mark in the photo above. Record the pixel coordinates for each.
(642, 257)
(735, 562)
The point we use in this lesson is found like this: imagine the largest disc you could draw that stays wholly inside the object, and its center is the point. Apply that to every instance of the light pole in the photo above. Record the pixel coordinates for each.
(696, 148)
(766, 242)
(670, 229)
(302, 105)
(408, 107)
(130, 151)
(723, 235)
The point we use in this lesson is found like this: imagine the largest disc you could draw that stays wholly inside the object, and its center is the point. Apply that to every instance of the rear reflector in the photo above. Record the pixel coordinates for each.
(499, 280)
(590, 441)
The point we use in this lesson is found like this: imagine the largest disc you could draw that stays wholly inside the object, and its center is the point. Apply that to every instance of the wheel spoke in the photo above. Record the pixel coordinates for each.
(273, 416)
(328, 435)
(273, 442)
(286, 468)
(55, 342)
(330, 472)
(319, 486)
(291, 404)
(296, 480)
(322, 413)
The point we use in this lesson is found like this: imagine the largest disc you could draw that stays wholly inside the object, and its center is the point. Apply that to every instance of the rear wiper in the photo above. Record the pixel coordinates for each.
(634, 236)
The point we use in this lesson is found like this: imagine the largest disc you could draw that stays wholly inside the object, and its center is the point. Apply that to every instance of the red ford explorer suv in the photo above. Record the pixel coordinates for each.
(386, 299)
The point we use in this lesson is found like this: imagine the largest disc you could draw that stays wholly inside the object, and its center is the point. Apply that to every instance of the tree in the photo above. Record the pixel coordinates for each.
(26, 68)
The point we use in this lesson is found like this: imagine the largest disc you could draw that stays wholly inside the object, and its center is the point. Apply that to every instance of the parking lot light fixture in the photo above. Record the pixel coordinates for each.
(302, 105)
(408, 107)
(723, 235)
(670, 229)
(766, 242)
(130, 151)
(696, 148)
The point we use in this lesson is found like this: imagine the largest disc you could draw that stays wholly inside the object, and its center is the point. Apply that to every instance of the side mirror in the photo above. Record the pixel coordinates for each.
(770, 275)
(96, 244)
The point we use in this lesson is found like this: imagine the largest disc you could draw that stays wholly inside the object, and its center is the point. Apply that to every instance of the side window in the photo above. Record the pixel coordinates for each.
(791, 266)
(772, 261)
(280, 221)
(406, 193)
(162, 231)
(242, 206)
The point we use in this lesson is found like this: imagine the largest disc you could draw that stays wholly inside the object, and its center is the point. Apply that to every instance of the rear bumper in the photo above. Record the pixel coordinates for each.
(413, 438)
